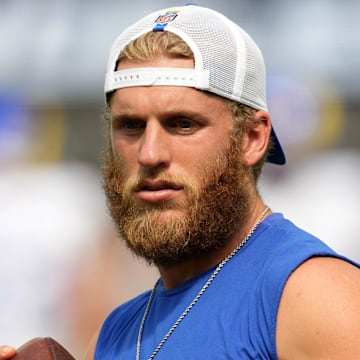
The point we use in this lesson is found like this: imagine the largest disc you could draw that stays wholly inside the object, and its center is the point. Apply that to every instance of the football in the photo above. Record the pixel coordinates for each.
(42, 348)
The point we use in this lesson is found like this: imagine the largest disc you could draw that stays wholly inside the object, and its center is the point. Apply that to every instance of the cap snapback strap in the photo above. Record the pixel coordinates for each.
(156, 76)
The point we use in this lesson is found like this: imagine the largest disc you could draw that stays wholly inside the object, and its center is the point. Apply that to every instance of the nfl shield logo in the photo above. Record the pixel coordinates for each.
(168, 17)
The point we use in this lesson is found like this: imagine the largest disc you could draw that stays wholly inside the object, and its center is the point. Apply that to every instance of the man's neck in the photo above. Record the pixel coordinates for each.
(175, 275)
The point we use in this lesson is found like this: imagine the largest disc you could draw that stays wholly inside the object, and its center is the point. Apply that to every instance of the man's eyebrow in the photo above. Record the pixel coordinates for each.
(123, 114)
(182, 112)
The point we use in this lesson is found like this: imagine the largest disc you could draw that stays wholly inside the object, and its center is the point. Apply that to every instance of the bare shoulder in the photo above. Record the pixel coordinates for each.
(319, 313)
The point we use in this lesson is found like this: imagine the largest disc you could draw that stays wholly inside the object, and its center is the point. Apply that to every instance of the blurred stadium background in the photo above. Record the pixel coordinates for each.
(53, 57)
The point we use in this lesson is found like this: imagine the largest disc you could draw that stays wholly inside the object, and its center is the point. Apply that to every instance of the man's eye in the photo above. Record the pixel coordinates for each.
(184, 124)
(128, 127)
(133, 125)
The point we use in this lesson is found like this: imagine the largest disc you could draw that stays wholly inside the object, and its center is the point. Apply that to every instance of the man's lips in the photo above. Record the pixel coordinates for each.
(156, 190)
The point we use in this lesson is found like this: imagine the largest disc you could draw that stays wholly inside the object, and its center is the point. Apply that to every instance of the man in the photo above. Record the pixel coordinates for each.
(189, 132)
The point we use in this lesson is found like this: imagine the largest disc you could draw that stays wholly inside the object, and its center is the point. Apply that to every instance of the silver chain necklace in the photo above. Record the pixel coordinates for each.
(196, 298)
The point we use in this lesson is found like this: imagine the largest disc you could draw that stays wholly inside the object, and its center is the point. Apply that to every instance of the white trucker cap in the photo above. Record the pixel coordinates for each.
(227, 61)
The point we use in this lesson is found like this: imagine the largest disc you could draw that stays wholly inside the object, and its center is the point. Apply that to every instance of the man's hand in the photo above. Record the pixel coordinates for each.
(6, 352)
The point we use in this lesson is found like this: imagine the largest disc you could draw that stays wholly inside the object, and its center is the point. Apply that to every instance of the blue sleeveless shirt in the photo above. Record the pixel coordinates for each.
(236, 316)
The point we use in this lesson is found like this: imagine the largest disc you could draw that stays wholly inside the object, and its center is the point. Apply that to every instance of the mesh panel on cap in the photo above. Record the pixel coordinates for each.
(214, 41)
(134, 31)
(253, 93)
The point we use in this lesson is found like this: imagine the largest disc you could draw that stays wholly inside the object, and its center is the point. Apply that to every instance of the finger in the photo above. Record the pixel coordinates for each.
(7, 352)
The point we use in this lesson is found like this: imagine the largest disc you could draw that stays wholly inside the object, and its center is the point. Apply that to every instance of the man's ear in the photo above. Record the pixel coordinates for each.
(256, 138)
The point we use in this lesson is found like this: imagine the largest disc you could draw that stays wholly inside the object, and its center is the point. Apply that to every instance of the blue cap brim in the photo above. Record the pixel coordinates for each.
(276, 155)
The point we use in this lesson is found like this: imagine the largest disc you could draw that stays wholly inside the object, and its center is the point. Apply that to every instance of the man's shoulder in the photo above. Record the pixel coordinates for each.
(289, 241)
(283, 250)
(319, 313)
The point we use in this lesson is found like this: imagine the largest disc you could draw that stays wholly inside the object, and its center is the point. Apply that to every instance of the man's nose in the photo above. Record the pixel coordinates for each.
(154, 149)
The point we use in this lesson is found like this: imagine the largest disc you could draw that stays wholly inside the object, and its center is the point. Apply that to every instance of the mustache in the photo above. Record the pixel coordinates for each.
(164, 180)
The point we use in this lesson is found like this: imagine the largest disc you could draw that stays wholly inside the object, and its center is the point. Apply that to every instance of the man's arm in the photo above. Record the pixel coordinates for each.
(319, 314)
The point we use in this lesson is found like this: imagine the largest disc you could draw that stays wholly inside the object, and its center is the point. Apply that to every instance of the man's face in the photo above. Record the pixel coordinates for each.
(174, 181)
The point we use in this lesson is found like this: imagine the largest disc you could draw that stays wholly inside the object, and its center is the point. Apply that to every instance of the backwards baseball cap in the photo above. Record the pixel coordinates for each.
(227, 61)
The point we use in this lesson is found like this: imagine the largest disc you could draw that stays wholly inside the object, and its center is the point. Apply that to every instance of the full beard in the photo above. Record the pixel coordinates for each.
(170, 233)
